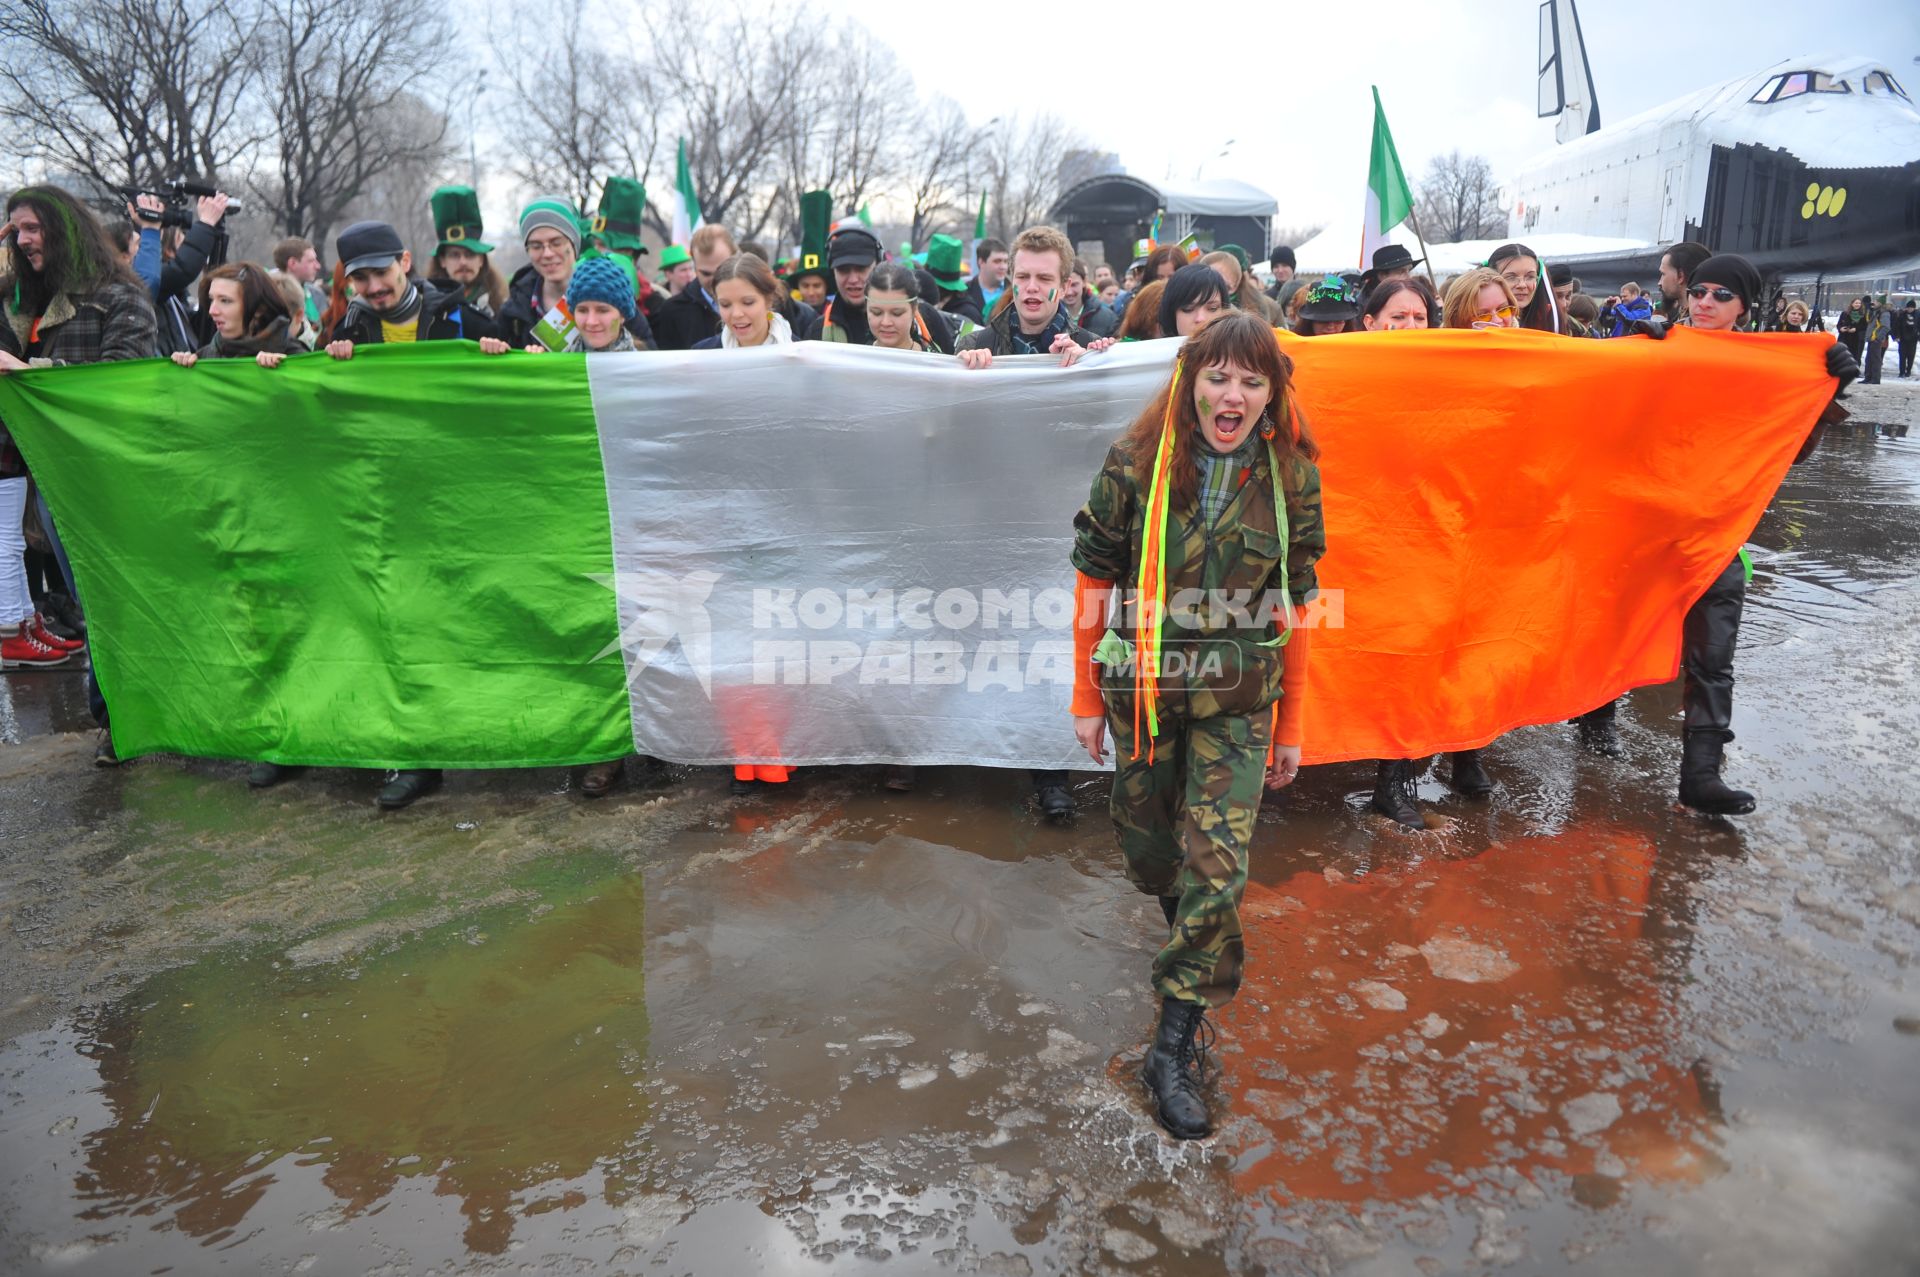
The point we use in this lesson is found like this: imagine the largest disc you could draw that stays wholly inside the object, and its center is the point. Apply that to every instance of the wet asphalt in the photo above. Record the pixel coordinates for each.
(832, 1029)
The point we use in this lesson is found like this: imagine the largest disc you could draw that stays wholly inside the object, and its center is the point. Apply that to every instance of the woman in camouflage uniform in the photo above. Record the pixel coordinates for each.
(1208, 515)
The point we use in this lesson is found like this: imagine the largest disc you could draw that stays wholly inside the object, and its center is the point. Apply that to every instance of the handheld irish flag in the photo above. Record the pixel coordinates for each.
(686, 204)
(1389, 201)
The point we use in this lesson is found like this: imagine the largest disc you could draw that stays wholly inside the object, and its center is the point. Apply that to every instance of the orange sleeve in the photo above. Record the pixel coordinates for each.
(1292, 705)
(1089, 623)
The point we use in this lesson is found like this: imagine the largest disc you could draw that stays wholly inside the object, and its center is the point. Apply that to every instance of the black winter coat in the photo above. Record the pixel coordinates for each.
(444, 316)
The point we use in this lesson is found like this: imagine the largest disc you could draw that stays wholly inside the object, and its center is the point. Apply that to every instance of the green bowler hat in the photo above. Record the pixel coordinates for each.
(623, 203)
(456, 219)
(673, 255)
(944, 256)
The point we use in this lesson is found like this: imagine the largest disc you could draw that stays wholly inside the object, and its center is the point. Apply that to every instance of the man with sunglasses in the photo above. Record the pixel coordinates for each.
(1720, 293)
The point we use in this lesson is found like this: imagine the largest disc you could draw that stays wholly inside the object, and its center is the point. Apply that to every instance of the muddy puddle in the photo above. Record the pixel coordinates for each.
(833, 1029)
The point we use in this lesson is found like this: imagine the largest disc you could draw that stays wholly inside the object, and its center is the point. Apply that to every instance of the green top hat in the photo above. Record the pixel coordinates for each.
(623, 203)
(816, 213)
(944, 255)
(456, 219)
(673, 255)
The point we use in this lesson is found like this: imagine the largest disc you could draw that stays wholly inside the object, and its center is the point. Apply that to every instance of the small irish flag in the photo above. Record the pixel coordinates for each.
(686, 205)
(1388, 199)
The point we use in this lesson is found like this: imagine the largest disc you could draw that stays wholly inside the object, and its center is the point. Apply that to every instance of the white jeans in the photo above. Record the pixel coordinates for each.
(16, 603)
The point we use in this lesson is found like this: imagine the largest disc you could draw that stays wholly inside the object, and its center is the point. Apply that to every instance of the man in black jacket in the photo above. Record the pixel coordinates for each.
(1036, 323)
(389, 305)
(851, 256)
(689, 316)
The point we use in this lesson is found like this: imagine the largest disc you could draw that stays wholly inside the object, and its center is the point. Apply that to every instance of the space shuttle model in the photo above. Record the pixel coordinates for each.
(1810, 167)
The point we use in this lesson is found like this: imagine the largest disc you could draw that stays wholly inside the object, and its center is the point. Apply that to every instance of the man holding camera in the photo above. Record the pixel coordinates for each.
(169, 274)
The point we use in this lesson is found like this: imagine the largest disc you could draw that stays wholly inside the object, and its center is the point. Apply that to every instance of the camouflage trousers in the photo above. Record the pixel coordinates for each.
(1184, 822)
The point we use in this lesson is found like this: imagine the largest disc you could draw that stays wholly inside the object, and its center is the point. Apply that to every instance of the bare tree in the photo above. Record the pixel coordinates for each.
(1024, 164)
(740, 80)
(1459, 200)
(939, 166)
(131, 90)
(582, 113)
(354, 87)
(1293, 235)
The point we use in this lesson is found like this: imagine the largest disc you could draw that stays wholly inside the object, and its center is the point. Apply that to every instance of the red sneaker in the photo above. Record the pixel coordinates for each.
(24, 651)
(38, 628)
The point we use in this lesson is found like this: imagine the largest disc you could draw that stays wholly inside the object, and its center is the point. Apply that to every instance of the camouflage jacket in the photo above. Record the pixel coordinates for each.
(1220, 635)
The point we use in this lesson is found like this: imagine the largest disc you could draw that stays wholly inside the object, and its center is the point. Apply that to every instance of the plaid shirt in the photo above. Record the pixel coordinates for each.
(114, 321)
(1221, 476)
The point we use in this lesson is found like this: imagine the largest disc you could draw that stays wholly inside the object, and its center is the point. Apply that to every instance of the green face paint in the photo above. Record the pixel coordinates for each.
(1206, 408)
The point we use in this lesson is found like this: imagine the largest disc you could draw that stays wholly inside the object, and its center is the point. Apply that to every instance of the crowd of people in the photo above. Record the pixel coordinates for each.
(1191, 758)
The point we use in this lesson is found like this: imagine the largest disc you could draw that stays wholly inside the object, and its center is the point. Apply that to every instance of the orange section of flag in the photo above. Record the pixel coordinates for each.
(1517, 523)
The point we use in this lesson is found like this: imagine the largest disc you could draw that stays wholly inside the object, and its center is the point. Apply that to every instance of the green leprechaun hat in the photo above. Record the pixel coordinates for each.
(456, 219)
(945, 255)
(816, 217)
(623, 203)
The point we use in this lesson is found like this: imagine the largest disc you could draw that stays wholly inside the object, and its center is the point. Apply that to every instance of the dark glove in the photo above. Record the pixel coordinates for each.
(1654, 328)
(1840, 363)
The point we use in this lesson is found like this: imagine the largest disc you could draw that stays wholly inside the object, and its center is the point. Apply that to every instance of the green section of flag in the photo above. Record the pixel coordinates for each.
(1384, 176)
(379, 563)
(690, 213)
(980, 220)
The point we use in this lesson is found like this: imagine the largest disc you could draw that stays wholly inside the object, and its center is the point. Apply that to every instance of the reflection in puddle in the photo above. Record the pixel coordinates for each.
(1403, 1034)
(490, 1063)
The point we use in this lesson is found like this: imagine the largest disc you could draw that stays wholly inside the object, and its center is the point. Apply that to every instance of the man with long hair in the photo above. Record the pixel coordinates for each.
(67, 296)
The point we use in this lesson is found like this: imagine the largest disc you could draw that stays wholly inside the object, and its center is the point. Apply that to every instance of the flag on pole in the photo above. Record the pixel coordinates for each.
(1388, 198)
(686, 204)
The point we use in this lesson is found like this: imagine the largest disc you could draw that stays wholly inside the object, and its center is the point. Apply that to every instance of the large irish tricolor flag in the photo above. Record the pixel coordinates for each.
(1389, 200)
(824, 554)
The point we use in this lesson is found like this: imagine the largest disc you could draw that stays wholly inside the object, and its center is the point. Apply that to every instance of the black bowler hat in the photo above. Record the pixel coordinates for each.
(1393, 257)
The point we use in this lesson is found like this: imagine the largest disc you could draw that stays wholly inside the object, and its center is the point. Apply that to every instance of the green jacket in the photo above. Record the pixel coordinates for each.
(1222, 645)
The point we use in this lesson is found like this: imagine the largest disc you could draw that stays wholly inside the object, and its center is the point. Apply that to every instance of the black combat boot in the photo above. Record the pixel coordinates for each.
(1598, 734)
(1393, 793)
(1056, 801)
(403, 788)
(267, 775)
(1700, 785)
(1468, 776)
(1172, 1070)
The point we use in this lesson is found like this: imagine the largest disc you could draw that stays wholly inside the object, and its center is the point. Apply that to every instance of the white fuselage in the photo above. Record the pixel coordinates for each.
(1646, 178)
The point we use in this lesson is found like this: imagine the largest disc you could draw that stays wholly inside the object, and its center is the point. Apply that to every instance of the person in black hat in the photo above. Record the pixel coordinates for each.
(1330, 308)
(1282, 263)
(1906, 332)
(390, 305)
(1390, 261)
(851, 255)
(1720, 294)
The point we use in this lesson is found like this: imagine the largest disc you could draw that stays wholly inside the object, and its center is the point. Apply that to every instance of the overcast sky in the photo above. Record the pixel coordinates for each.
(1289, 81)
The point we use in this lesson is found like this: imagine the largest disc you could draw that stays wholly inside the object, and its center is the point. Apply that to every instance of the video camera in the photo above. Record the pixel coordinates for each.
(180, 196)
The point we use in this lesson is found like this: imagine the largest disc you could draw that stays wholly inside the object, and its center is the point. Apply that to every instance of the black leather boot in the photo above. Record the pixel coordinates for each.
(1393, 793)
(1700, 785)
(267, 775)
(1050, 787)
(1598, 733)
(1172, 1070)
(600, 778)
(405, 788)
(1468, 776)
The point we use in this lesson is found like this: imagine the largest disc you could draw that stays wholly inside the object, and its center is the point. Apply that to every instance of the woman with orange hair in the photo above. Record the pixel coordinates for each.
(1211, 499)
